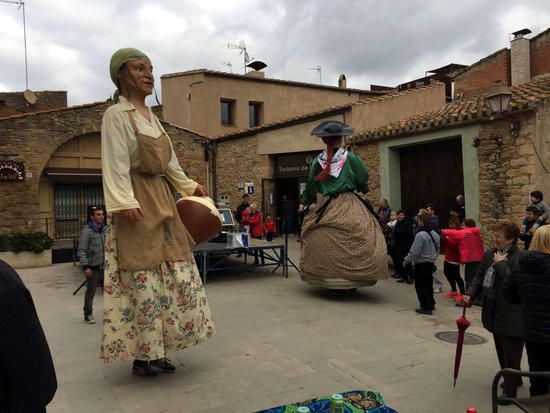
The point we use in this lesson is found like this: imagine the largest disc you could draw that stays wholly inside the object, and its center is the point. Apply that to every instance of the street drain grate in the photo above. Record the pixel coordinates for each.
(452, 336)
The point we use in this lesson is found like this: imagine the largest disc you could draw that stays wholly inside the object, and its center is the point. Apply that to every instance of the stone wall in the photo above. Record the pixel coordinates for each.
(46, 100)
(371, 156)
(34, 137)
(507, 172)
(6, 110)
(237, 161)
(190, 150)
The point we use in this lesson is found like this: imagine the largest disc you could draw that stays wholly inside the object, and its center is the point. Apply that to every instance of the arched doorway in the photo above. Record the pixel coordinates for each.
(70, 182)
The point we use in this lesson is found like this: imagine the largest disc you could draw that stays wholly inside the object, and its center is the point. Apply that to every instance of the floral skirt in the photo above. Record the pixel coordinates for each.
(149, 313)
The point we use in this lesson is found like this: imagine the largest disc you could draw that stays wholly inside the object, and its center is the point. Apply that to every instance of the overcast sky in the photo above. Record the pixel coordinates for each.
(70, 42)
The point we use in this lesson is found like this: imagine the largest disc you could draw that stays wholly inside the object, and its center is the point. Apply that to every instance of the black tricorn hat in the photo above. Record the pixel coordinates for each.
(332, 128)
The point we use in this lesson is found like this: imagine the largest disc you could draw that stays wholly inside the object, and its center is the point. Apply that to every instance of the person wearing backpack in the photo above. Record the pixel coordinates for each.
(423, 255)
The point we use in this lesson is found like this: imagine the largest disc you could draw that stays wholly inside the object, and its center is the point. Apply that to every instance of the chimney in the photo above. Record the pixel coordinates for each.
(256, 73)
(342, 83)
(520, 57)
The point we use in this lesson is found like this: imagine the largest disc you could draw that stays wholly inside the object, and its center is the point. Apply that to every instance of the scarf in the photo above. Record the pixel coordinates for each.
(336, 163)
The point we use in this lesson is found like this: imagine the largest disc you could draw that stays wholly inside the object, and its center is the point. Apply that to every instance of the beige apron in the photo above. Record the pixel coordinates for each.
(159, 235)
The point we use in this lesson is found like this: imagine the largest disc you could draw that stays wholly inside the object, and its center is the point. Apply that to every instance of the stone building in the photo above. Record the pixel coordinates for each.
(494, 159)
(14, 103)
(417, 149)
(526, 58)
(271, 162)
(57, 153)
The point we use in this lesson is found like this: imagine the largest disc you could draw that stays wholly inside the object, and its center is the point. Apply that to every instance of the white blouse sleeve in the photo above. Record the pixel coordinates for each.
(115, 164)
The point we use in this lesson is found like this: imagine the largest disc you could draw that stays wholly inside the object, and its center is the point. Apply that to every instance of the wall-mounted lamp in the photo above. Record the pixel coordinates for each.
(499, 101)
(500, 98)
(476, 142)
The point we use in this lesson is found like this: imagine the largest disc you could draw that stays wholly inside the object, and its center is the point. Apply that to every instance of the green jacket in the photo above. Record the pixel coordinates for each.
(353, 177)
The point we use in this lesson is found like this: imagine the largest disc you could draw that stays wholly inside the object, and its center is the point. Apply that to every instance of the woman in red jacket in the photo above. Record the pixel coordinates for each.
(470, 246)
(256, 229)
(451, 266)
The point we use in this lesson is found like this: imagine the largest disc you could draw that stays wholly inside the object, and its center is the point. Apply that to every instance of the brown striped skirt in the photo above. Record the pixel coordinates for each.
(345, 248)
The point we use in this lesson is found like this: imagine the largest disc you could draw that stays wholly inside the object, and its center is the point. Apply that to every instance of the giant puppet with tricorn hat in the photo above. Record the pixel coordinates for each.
(343, 243)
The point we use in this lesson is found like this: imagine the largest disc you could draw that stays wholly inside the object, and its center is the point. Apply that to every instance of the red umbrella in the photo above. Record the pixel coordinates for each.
(462, 324)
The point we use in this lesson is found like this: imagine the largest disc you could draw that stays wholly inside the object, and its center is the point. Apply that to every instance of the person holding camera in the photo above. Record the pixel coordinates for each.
(91, 255)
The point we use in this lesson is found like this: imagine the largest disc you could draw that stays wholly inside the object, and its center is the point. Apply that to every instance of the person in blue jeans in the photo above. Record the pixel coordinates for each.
(423, 255)
(91, 247)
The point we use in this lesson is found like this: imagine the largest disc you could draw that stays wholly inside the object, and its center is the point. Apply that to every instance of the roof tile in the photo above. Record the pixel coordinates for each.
(524, 96)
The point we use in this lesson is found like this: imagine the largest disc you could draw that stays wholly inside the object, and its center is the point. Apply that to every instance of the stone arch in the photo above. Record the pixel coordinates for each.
(70, 180)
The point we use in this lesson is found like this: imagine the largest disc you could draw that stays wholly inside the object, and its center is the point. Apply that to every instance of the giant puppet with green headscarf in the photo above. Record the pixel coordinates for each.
(154, 299)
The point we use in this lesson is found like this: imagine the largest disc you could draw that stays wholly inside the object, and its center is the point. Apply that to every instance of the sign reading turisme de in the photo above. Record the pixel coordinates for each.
(12, 171)
(294, 165)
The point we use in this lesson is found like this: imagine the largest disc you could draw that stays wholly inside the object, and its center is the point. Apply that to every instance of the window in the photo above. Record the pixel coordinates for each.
(254, 113)
(227, 109)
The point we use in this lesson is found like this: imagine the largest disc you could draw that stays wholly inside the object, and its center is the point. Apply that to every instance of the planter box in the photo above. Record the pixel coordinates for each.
(26, 259)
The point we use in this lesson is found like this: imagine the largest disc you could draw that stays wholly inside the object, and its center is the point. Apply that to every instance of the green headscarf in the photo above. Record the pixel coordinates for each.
(118, 59)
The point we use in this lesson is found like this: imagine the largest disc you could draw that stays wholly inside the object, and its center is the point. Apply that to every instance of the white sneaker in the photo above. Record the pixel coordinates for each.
(90, 319)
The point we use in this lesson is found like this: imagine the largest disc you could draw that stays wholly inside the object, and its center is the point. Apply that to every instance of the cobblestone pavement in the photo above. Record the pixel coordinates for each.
(278, 340)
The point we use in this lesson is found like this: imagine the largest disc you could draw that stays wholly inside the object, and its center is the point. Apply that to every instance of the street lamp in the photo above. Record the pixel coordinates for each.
(500, 98)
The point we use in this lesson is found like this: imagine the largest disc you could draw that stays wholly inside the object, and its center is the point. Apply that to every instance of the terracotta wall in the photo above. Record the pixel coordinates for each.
(482, 75)
(540, 54)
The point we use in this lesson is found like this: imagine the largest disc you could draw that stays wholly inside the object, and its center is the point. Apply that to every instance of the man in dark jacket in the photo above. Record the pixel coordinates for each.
(91, 246)
(498, 316)
(239, 212)
(529, 286)
(402, 241)
(27, 375)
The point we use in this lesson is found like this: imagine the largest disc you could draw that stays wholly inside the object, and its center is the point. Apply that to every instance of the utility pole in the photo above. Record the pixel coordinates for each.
(21, 5)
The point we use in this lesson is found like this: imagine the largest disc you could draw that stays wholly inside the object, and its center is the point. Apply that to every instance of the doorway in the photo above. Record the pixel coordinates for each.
(287, 195)
(432, 173)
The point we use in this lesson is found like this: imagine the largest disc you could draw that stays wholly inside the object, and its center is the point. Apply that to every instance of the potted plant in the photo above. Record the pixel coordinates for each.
(26, 250)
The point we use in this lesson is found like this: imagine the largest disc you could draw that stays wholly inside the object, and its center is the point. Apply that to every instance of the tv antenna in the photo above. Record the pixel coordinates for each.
(318, 69)
(21, 5)
(242, 47)
(229, 65)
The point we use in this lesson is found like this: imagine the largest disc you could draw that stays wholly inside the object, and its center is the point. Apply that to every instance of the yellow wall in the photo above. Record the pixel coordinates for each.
(193, 101)
(45, 206)
(384, 109)
(82, 152)
(296, 138)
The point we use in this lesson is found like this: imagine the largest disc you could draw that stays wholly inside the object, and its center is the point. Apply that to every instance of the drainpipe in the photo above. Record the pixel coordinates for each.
(213, 176)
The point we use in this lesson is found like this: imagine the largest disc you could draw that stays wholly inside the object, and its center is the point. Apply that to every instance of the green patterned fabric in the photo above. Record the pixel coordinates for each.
(356, 401)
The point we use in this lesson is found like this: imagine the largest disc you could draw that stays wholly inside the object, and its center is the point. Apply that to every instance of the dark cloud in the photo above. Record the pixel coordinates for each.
(70, 42)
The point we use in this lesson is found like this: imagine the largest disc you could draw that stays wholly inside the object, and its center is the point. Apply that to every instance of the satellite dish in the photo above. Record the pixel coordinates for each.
(257, 65)
(30, 96)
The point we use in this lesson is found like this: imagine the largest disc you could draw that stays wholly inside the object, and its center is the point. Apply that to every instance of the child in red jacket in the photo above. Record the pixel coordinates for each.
(471, 250)
(451, 266)
(269, 227)
(470, 247)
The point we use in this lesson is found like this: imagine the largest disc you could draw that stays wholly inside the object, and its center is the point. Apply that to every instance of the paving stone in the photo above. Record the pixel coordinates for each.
(278, 341)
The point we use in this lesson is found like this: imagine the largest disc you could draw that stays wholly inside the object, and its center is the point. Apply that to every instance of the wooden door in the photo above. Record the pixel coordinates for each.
(431, 173)
(268, 201)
